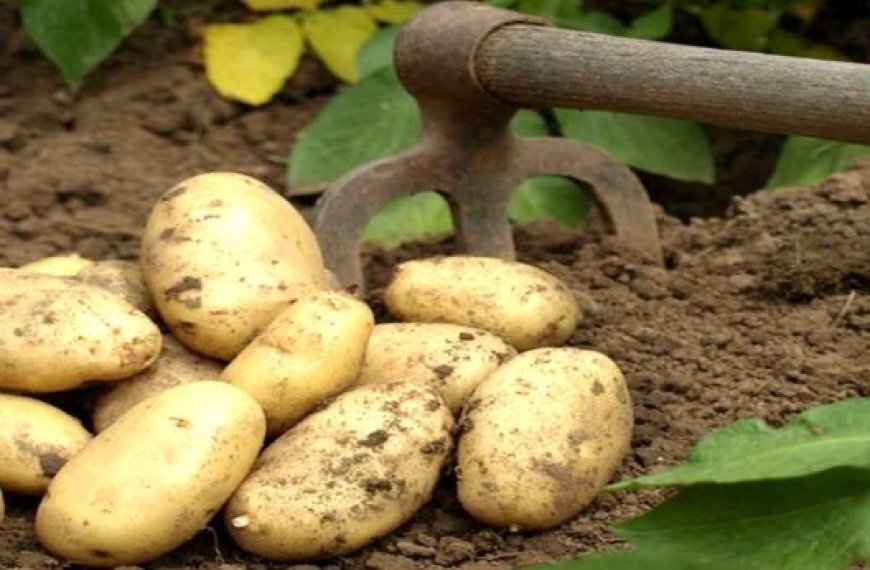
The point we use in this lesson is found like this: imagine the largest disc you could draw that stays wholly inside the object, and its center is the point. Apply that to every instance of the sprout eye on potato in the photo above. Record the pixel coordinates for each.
(222, 255)
(58, 333)
(524, 305)
(36, 440)
(450, 358)
(541, 436)
(59, 265)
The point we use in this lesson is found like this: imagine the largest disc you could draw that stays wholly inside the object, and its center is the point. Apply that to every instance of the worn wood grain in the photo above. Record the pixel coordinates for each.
(534, 66)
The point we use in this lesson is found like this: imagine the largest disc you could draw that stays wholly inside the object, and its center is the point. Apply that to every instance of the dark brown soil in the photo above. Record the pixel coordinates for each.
(762, 313)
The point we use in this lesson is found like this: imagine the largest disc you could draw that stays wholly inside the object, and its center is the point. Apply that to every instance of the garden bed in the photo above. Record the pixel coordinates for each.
(764, 312)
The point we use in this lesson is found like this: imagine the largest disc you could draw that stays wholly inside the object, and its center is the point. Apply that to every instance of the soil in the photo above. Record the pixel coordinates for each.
(761, 312)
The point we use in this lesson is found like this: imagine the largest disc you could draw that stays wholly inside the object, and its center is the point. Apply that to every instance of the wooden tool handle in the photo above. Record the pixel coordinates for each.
(536, 66)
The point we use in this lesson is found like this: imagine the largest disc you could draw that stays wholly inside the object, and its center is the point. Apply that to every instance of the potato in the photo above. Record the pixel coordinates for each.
(344, 476)
(122, 278)
(36, 439)
(2, 508)
(222, 255)
(58, 333)
(450, 358)
(58, 265)
(175, 365)
(154, 478)
(524, 305)
(541, 436)
(311, 351)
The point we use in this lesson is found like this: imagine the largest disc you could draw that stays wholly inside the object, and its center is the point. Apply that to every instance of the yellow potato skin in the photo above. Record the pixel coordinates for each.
(36, 440)
(58, 333)
(222, 255)
(344, 476)
(541, 436)
(154, 478)
(526, 306)
(313, 350)
(175, 365)
(450, 358)
(66, 265)
(121, 278)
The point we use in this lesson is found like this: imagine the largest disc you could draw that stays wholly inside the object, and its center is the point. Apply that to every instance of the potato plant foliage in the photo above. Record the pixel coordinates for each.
(373, 117)
(376, 118)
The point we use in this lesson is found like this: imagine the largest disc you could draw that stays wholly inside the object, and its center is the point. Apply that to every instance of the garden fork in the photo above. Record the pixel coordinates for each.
(470, 67)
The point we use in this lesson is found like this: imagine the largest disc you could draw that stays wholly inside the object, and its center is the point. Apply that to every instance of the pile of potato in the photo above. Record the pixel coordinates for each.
(227, 373)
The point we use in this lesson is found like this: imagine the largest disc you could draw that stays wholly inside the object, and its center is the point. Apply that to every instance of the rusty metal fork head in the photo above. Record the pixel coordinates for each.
(467, 152)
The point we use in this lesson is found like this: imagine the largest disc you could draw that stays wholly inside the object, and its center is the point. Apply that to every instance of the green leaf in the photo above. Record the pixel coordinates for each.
(549, 197)
(529, 124)
(817, 522)
(653, 25)
(549, 9)
(570, 14)
(741, 29)
(79, 34)
(805, 161)
(671, 147)
(410, 218)
(593, 21)
(377, 52)
(826, 437)
(370, 120)
(545, 197)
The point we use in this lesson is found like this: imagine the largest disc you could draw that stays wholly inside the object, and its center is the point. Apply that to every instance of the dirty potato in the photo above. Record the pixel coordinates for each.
(311, 351)
(175, 365)
(222, 255)
(541, 437)
(524, 305)
(58, 333)
(154, 478)
(58, 265)
(344, 476)
(36, 440)
(450, 358)
(121, 278)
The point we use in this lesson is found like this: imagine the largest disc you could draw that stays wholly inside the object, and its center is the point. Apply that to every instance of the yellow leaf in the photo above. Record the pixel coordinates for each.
(393, 11)
(807, 9)
(269, 5)
(251, 62)
(336, 36)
